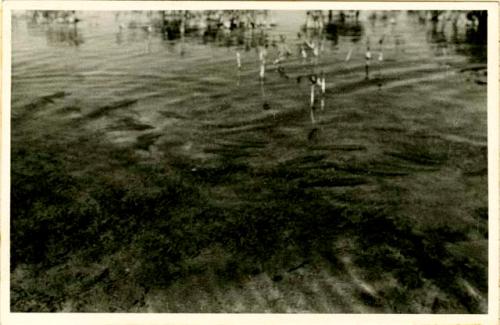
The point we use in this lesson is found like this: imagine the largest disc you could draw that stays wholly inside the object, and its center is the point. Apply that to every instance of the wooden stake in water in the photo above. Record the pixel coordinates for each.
(312, 95)
(368, 57)
(380, 42)
(316, 49)
(262, 59)
(312, 108)
(348, 57)
(323, 89)
(303, 53)
(238, 60)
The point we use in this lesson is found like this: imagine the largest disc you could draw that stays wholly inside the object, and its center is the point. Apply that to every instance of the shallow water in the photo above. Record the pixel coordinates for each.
(96, 62)
(191, 88)
(290, 181)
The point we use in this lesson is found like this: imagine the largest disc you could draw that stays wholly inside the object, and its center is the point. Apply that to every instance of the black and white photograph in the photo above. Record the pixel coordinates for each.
(249, 161)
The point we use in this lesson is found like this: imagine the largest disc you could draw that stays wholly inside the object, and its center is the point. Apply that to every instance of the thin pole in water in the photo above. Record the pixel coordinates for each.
(312, 95)
(303, 53)
(381, 53)
(323, 83)
(312, 108)
(238, 60)
(262, 59)
(348, 57)
(313, 78)
(323, 89)
(368, 57)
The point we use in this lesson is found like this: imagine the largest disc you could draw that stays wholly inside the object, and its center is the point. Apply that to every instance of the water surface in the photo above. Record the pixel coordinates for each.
(372, 199)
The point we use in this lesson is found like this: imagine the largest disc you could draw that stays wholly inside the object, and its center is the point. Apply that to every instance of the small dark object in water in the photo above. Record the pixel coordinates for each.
(313, 78)
(266, 106)
(299, 79)
(313, 135)
(436, 305)
(173, 115)
(48, 99)
(277, 278)
(298, 266)
(103, 276)
(474, 68)
(282, 73)
(53, 96)
(146, 140)
(370, 299)
(70, 109)
(108, 108)
(480, 82)
(129, 123)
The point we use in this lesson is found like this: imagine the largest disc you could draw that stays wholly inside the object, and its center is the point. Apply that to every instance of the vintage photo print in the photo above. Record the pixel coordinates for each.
(219, 161)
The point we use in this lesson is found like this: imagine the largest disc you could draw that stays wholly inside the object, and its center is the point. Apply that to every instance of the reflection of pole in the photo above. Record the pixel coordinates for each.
(163, 21)
(148, 44)
(183, 23)
(265, 104)
(313, 120)
(380, 59)
(183, 30)
(262, 89)
(75, 33)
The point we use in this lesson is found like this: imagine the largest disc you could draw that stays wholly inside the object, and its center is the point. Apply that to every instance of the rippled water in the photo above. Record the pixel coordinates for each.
(96, 62)
(194, 84)
(285, 180)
